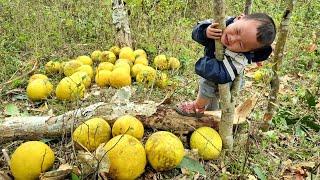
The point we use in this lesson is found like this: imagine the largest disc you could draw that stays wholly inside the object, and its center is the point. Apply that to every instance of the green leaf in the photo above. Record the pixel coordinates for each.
(310, 98)
(20, 97)
(307, 121)
(310, 121)
(299, 131)
(45, 140)
(261, 175)
(192, 165)
(11, 110)
(24, 114)
(74, 177)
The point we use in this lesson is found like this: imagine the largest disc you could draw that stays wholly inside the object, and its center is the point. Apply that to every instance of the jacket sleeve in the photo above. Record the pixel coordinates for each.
(199, 33)
(212, 70)
(221, 72)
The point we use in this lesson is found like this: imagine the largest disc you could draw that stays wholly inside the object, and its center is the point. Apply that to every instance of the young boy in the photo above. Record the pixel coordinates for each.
(247, 38)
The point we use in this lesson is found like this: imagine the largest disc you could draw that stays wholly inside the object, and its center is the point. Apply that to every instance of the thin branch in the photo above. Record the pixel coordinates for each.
(6, 156)
(19, 77)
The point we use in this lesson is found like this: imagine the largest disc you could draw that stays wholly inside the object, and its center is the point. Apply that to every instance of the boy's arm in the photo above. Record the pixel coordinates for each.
(199, 33)
(221, 72)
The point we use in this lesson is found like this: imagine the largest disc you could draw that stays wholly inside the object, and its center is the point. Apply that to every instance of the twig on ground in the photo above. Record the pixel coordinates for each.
(19, 77)
(6, 156)
(168, 95)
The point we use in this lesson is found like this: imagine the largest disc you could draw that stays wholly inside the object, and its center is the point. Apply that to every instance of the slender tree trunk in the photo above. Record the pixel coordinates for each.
(227, 108)
(277, 60)
(237, 81)
(219, 17)
(248, 7)
(227, 105)
(121, 22)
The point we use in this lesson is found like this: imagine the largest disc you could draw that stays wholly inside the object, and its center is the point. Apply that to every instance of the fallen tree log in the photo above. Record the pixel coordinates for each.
(152, 115)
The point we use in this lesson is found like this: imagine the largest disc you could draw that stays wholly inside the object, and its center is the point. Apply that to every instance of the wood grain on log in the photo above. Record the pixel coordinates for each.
(162, 118)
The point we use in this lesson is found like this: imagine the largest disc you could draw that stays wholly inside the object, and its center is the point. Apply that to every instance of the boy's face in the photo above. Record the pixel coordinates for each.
(241, 35)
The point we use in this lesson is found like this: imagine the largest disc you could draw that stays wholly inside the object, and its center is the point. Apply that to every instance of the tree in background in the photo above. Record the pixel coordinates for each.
(277, 60)
(248, 7)
(121, 22)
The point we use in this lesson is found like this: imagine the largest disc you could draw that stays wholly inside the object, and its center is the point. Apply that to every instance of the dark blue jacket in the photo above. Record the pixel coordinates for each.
(216, 71)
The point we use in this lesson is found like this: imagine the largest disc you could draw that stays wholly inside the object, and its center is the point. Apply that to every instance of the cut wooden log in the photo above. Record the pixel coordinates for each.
(152, 116)
(37, 127)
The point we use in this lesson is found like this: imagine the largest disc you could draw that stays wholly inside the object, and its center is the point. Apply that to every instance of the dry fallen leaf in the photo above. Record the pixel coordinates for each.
(318, 104)
(285, 79)
(96, 93)
(300, 74)
(251, 177)
(249, 74)
(305, 164)
(104, 161)
(98, 160)
(248, 85)
(242, 111)
(121, 105)
(252, 67)
(296, 171)
(59, 174)
(299, 174)
(312, 47)
(50, 112)
(88, 162)
(4, 175)
(214, 166)
(86, 96)
(192, 153)
(196, 176)
(43, 108)
(282, 90)
(185, 171)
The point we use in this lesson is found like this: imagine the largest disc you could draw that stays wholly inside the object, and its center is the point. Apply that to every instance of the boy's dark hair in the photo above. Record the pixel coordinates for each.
(267, 29)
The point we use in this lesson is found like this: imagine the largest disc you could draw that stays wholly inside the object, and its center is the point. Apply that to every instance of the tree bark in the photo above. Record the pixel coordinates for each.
(219, 16)
(227, 106)
(248, 7)
(277, 60)
(121, 22)
(34, 127)
(237, 81)
(162, 118)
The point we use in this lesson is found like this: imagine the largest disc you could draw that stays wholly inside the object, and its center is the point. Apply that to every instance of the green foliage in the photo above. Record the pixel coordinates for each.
(286, 118)
(74, 177)
(192, 165)
(51, 29)
(260, 174)
(11, 110)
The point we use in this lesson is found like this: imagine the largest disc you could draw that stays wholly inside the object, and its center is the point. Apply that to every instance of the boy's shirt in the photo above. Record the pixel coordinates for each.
(233, 64)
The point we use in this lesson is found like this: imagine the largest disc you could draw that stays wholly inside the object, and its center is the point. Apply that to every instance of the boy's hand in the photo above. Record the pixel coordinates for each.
(212, 32)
